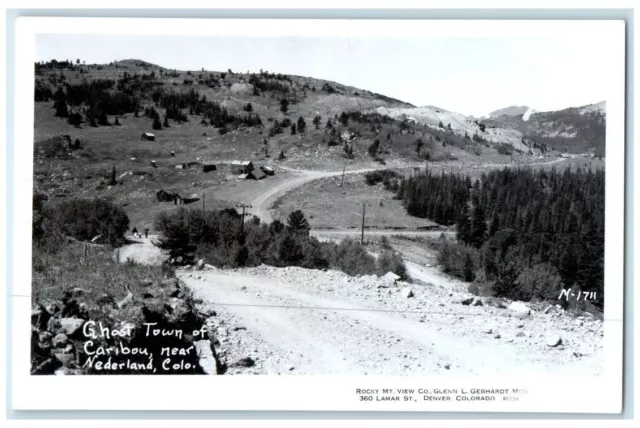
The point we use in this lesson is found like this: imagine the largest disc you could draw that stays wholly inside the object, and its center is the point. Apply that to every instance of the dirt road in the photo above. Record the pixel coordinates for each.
(141, 250)
(298, 321)
(263, 202)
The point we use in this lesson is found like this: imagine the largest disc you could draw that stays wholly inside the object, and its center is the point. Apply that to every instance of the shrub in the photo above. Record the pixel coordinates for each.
(82, 219)
(352, 258)
(374, 177)
(390, 261)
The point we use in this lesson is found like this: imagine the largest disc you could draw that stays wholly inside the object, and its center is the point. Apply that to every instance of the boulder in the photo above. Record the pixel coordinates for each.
(519, 309)
(77, 292)
(389, 279)
(128, 299)
(66, 358)
(467, 300)
(40, 318)
(200, 264)
(206, 358)
(553, 340)
(209, 267)
(60, 340)
(53, 308)
(407, 292)
(245, 362)
(71, 326)
(462, 299)
(476, 301)
(106, 300)
(170, 283)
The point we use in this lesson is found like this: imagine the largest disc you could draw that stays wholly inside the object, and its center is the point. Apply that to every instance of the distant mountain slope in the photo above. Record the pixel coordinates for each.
(575, 129)
(509, 111)
(460, 124)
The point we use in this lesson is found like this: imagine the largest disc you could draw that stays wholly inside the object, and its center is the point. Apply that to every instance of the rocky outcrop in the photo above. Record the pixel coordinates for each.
(155, 329)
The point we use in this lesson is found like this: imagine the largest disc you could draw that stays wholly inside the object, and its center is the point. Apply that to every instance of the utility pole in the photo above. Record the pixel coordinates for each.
(362, 235)
(342, 182)
(243, 206)
(202, 201)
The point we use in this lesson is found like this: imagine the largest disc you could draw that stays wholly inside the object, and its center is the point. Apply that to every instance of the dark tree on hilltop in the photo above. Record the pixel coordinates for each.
(248, 108)
(302, 126)
(344, 119)
(441, 125)
(297, 223)
(329, 125)
(316, 121)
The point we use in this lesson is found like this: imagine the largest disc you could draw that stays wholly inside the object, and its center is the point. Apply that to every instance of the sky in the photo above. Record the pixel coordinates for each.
(472, 76)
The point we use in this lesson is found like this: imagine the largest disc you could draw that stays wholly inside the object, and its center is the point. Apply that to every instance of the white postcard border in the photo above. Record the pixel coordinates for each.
(552, 394)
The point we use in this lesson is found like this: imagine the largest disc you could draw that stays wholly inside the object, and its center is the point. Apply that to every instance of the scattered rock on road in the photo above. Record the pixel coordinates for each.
(519, 309)
(554, 340)
(407, 292)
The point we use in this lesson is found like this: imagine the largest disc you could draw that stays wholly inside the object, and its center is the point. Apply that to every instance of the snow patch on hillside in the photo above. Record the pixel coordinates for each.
(527, 114)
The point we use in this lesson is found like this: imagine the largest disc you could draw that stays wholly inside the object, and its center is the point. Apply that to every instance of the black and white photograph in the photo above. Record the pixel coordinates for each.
(272, 204)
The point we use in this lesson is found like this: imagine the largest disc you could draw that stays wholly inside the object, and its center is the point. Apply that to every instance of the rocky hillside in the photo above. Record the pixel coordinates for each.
(509, 111)
(574, 130)
(459, 124)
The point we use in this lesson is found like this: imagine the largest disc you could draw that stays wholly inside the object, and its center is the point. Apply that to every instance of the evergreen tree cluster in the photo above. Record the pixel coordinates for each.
(222, 239)
(438, 197)
(532, 232)
(266, 84)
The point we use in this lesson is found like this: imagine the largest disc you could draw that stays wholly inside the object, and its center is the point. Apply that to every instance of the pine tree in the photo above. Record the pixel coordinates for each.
(297, 223)
(316, 121)
(373, 148)
(284, 105)
(156, 123)
(112, 178)
(463, 233)
(478, 227)
(302, 126)
(293, 129)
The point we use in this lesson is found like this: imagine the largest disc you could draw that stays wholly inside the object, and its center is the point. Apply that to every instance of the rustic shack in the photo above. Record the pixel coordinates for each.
(267, 170)
(241, 167)
(208, 167)
(166, 195)
(148, 136)
(256, 174)
(191, 198)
